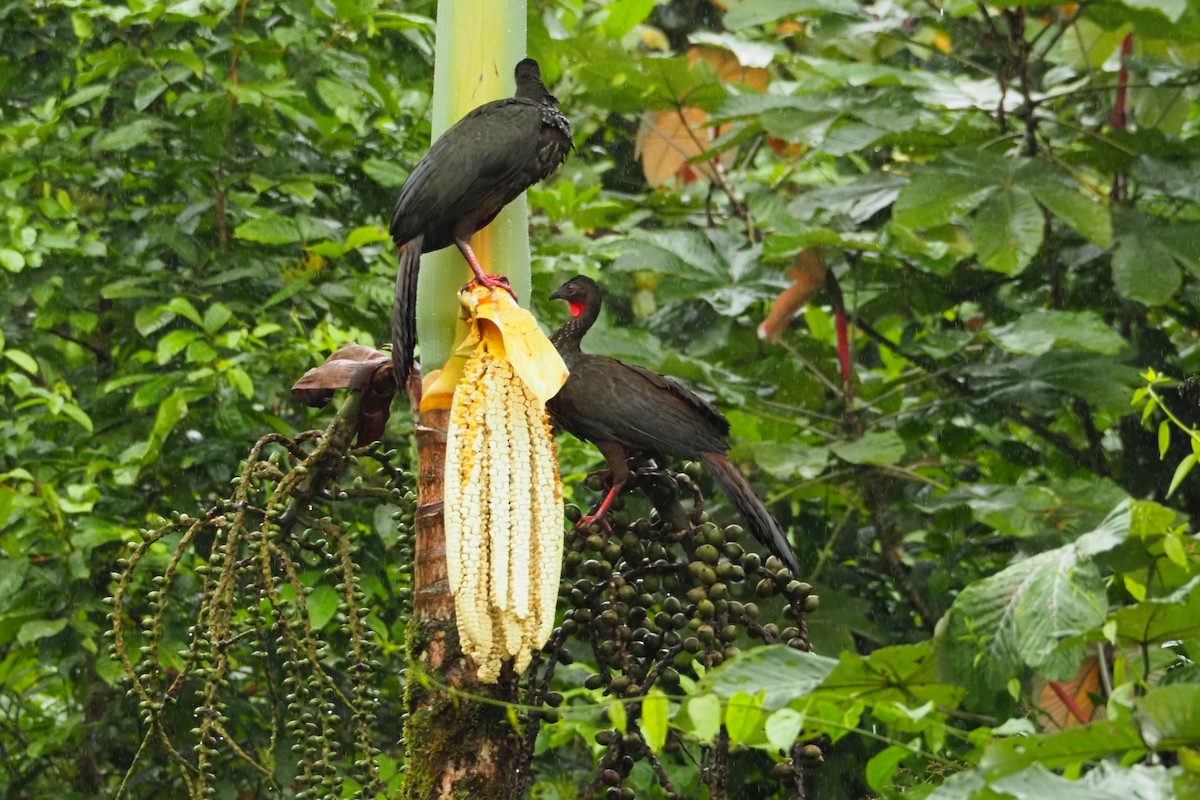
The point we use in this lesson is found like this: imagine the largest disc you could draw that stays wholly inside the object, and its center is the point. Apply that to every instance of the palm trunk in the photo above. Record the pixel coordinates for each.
(458, 747)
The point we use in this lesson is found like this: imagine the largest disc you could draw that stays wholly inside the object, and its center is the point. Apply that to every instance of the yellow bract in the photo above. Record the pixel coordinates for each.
(503, 496)
(512, 334)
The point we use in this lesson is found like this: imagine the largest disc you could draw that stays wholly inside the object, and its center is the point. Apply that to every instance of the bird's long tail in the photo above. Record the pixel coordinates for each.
(404, 310)
(750, 507)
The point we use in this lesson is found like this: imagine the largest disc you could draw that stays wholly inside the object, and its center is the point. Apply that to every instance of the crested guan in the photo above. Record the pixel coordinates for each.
(478, 166)
(627, 411)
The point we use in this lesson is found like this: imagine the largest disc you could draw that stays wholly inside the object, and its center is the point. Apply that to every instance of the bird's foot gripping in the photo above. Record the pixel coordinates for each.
(492, 282)
(597, 514)
(586, 521)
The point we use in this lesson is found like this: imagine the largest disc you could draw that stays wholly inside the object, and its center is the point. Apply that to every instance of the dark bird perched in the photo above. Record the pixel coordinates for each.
(477, 167)
(629, 411)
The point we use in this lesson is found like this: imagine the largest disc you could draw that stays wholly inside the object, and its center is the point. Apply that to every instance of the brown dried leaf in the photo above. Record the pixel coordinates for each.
(729, 68)
(668, 140)
(351, 367)
(1069, 704)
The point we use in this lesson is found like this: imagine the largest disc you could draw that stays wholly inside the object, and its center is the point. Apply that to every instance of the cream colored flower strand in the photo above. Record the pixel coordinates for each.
(503, 495)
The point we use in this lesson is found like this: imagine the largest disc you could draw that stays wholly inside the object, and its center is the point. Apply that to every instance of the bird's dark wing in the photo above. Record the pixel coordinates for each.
(609, 400)
(473, 169)
(713, 418)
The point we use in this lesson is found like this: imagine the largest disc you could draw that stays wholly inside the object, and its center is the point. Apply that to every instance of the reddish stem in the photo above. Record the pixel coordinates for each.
(1069, 702)
(1120, 112)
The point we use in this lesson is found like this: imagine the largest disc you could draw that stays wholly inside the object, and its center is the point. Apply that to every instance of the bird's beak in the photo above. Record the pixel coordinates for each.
(557, 294)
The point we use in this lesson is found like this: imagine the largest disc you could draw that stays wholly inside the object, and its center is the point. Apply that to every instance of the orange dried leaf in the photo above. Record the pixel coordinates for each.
(667, 140)
(728, 68)
(1069, 704)
(808, 276)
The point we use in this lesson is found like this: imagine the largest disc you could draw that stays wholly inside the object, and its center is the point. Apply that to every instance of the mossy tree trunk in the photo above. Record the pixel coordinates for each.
(458, 748)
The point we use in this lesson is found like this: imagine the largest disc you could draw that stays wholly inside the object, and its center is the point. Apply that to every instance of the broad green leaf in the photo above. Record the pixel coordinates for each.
(1037, 783)
(200, 352)
(240, 380)
(12, 574)
(742, 715)
(850, 138)
(780, 673)
(1039, 383)
(1158, 620)
(873, 447)
(1181, 472)
(81, 24)
(786, 459)
(215, 317)
(759, 12)
(618, 716)
(1171, 9)
(366, 234)
(704, 711)
(184, 308)
(148, 90)
(1082, 212)
(338, 95)
(385, 173)
(269, 229)
(170, 412)
(625, 85)
(882, 767)
(40, 629)
(859, 199)
(1043, 330)
(1169, 716)
(322, 604)
(78, 416)
(654, 719)
(904, 675)
(22, 360)
(173, 343)
(806, 126)
(1164, 439)
(1007, 230)
(1144, 270)
(1061, 749)
(1174, 549)
(85, 94)
(131, 135)
(783, 728)
(623, 15)
(11, 260)
(1020, 616)
(1110, 534)
(950, 188)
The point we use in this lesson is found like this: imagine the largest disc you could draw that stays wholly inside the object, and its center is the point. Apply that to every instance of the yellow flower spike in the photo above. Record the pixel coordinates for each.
(503, 496)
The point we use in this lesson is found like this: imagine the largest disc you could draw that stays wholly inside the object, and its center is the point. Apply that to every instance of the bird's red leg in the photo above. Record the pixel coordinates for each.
(484, 279)
(601, 510)
(615, 456)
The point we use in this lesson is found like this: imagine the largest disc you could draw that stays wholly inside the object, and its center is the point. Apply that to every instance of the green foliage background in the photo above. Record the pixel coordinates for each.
(191, 194)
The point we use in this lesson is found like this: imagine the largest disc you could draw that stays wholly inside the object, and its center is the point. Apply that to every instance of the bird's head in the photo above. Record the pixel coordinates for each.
(527, 70)
(579, 292)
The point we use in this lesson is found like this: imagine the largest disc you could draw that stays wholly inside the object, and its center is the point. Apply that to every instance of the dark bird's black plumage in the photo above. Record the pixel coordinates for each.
(479, 165)
(626, 411)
